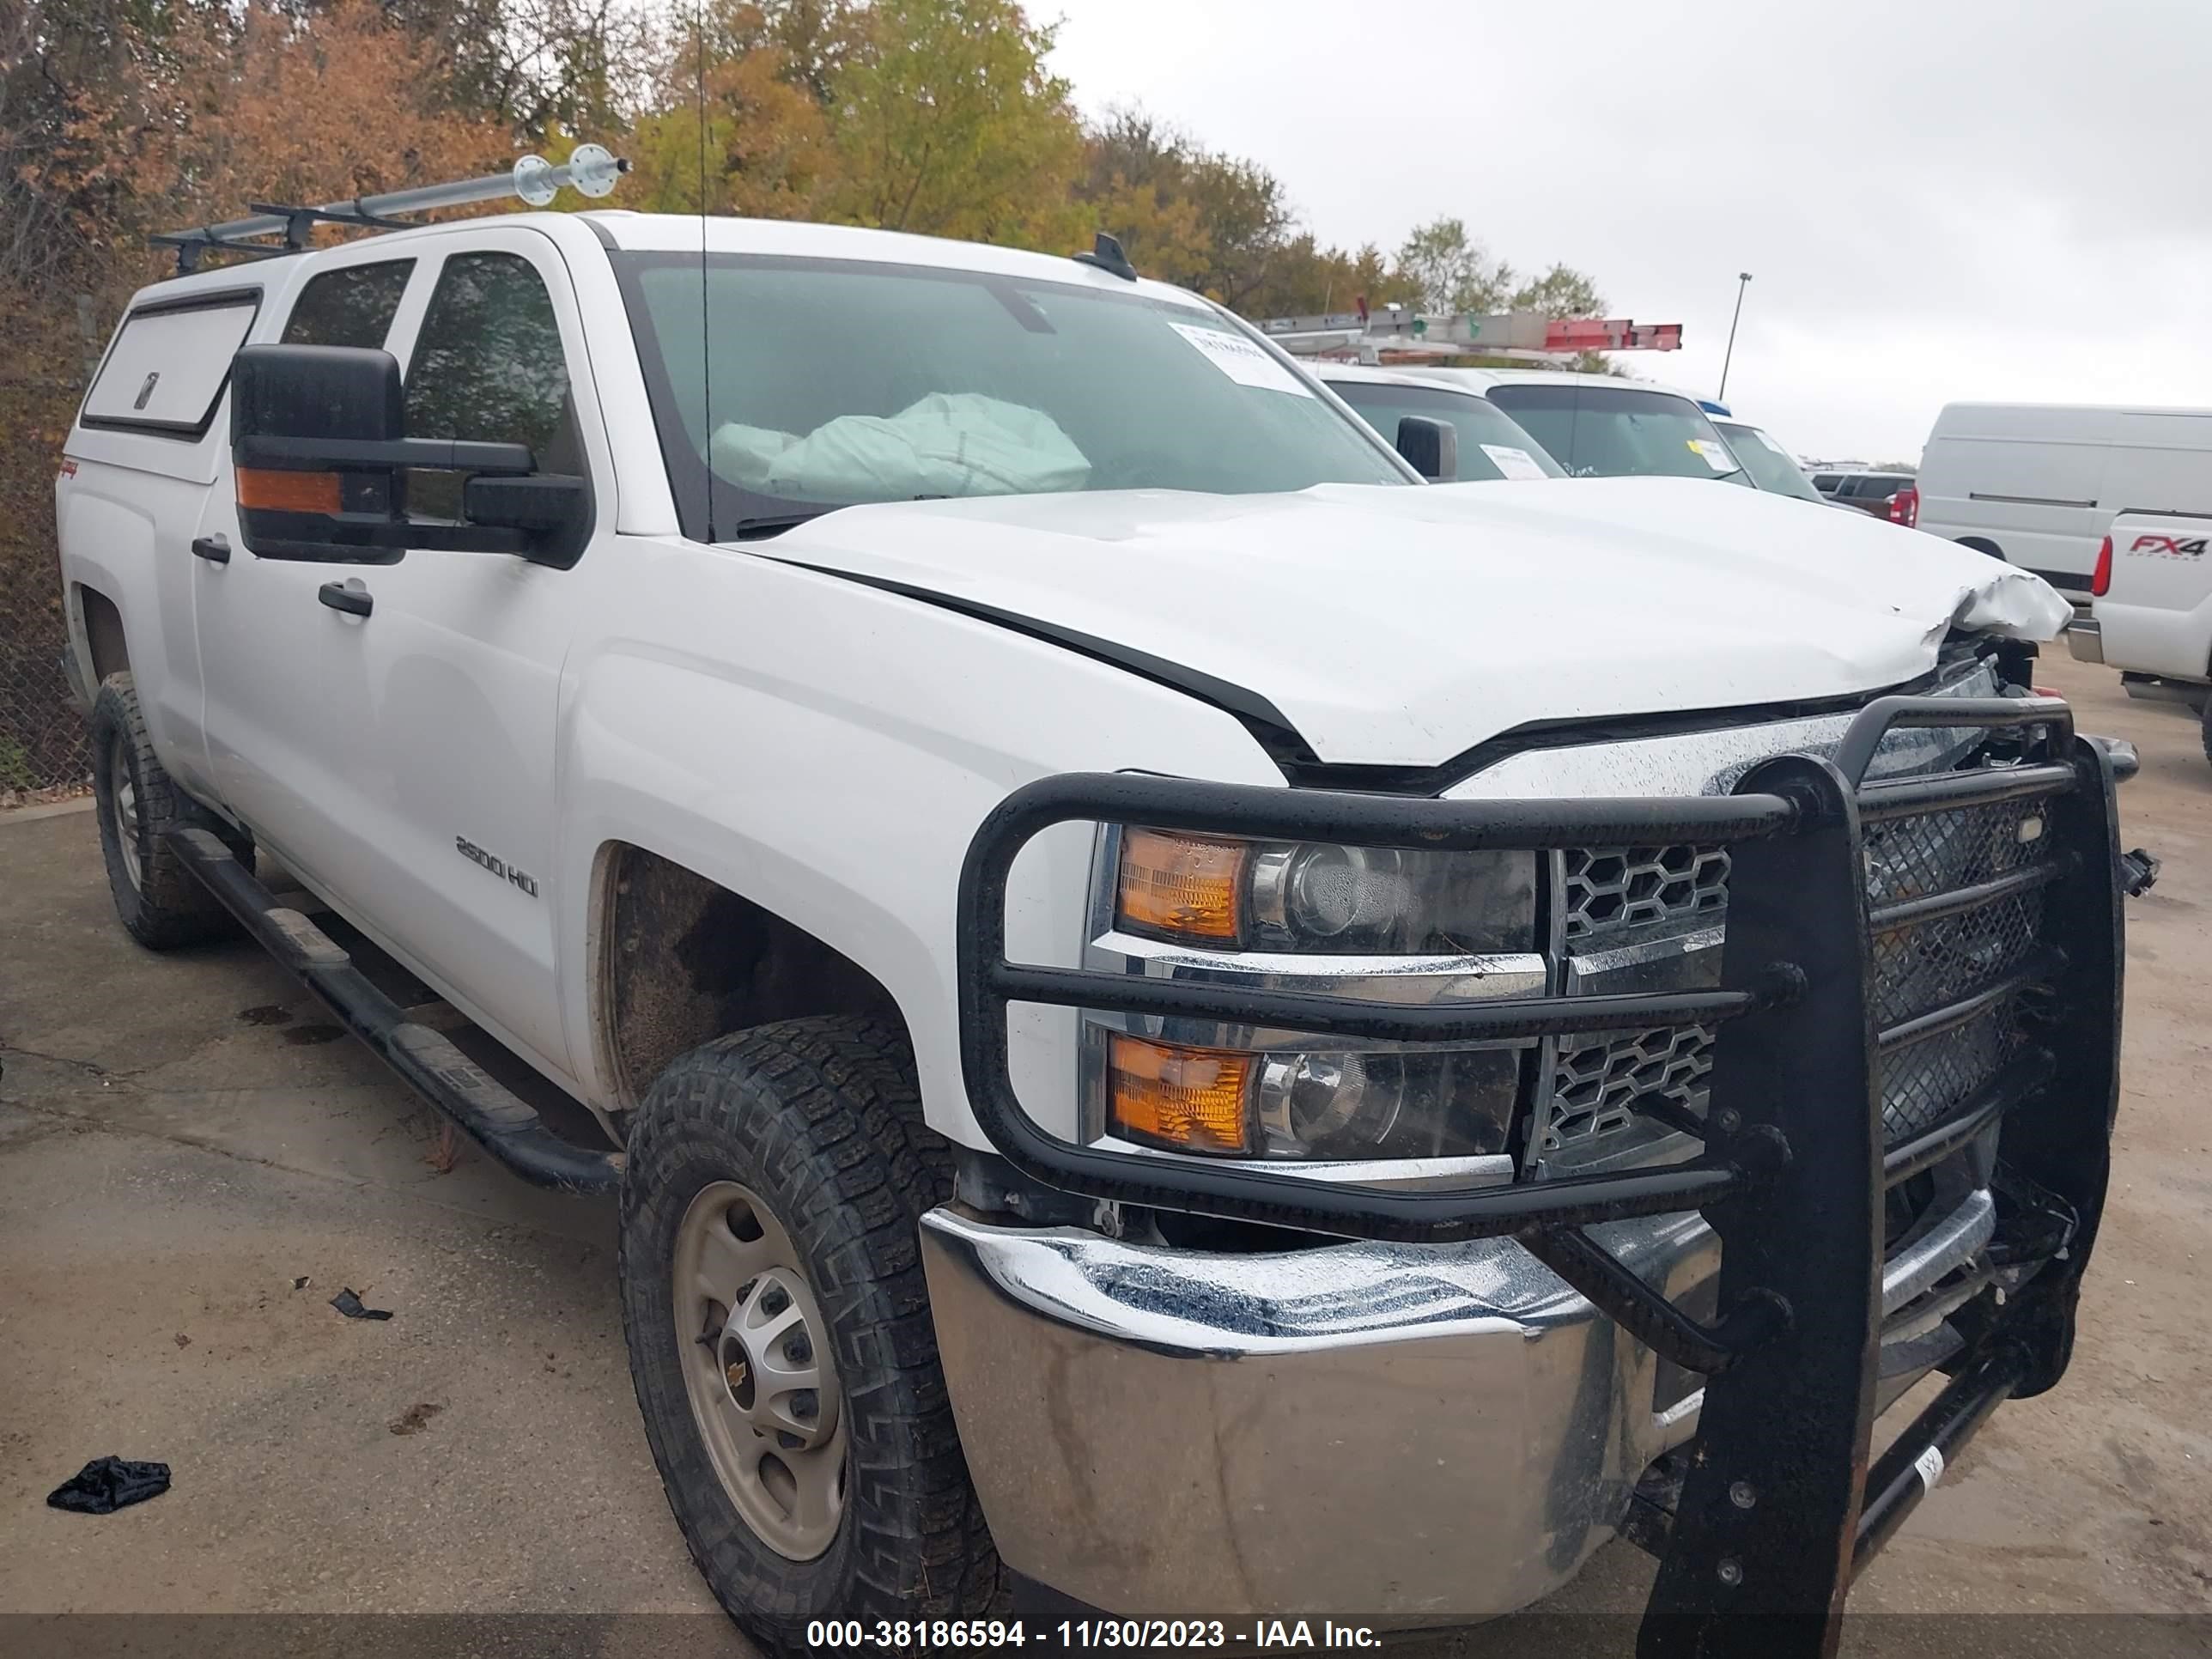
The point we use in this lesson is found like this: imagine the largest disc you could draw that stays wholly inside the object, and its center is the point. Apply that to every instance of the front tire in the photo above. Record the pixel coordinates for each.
(780, 1334)
(2206, 718)
(161, 903)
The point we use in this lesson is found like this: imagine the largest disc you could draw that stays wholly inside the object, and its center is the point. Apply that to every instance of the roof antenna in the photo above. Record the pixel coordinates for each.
(1106, 254)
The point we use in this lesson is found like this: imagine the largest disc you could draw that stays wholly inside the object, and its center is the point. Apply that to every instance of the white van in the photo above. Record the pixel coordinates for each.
(2038, 484)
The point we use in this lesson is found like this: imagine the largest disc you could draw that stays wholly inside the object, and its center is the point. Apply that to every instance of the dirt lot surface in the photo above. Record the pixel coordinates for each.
(182, 1138)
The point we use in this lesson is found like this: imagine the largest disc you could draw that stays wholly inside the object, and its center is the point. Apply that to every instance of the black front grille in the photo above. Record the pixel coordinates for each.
(1942, 852)
(1929, 964)
(1598, 1084)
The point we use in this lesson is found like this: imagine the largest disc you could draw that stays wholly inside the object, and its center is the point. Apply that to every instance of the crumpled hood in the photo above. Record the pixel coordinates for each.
(1403, 625)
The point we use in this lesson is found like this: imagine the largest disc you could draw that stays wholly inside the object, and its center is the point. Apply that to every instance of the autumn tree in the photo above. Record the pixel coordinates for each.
(1186, 213)
(117, 120)
(768, 151)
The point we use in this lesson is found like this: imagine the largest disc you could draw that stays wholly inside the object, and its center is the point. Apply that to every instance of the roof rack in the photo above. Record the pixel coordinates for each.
(590, 169)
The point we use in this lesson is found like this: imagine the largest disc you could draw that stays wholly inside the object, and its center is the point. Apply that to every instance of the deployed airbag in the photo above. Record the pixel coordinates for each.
(948, 444)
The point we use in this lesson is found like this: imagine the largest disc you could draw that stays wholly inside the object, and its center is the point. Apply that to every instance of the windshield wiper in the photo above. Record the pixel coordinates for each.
(773, 524)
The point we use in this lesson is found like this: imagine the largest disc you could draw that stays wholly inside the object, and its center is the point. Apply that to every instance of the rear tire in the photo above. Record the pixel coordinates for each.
(161, 903)
(2205, 717)
(791, 1160)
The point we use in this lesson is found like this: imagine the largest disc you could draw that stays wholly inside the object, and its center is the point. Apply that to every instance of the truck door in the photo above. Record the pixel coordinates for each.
(439, 706)
(261, 630)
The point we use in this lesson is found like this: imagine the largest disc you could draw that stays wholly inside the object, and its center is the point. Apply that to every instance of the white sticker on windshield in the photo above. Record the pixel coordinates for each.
(1761, 435)
(1514, 463)
(1715, 454)
(1241, 359)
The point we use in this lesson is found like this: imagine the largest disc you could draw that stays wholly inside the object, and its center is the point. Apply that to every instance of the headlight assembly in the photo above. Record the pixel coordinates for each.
(1323, 898)
(1347, 1104)
(1364, 914)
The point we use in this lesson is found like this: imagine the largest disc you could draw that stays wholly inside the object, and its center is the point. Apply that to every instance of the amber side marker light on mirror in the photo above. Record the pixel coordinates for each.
(1181, 885)
(288, 492)
(1192, 1099)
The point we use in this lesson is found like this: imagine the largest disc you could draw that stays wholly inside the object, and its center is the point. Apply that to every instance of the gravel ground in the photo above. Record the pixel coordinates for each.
(181, 1139)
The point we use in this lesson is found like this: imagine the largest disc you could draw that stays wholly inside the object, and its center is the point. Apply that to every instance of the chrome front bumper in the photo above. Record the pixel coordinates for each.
(1424, 1433)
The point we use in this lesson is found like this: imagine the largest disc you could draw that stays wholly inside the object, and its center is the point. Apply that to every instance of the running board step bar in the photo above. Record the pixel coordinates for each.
(496, 1118)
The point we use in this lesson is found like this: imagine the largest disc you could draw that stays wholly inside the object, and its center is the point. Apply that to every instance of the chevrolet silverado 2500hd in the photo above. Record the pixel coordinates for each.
(1180, 1024)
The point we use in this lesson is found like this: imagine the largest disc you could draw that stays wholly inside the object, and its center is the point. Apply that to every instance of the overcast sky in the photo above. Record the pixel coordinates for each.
(1945, 200)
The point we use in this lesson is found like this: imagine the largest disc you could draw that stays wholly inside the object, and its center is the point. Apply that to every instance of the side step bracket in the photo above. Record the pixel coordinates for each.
(497, 1119)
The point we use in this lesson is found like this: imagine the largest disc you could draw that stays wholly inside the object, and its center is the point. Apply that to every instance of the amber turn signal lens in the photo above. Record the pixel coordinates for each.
(1192, 1099)
(288, 492)
(1181, 885)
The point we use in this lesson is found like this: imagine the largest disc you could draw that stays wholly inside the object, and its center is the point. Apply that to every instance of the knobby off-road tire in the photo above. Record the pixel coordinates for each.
(161, 904)
(806, 1135)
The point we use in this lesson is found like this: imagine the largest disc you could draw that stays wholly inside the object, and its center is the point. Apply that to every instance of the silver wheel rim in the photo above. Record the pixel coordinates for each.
(123, 806)
(758, 1371)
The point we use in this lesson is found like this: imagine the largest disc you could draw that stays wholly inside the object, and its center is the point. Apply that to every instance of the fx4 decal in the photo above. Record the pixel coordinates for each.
(506, 872)
(2170, 547)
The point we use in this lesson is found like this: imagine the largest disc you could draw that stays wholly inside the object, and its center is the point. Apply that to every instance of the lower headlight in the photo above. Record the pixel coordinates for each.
(1309, 1104)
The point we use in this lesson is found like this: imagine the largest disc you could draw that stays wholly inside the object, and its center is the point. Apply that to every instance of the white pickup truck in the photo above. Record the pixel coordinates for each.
(2150, 613)
(1184, 1027)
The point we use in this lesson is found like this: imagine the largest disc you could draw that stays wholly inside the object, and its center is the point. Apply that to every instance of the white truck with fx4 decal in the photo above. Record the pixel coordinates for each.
(2150, 613)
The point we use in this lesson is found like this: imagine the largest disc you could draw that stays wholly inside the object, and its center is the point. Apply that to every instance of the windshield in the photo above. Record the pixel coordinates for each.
(1768, 462)
(1489, 445)
(832, 382)
(1611, 432)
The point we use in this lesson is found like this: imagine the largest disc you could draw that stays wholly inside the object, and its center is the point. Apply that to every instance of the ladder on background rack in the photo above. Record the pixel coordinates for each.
(1398, 334)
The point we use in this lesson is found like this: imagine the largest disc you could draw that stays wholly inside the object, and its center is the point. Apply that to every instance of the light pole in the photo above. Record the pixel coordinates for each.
(1742, 281)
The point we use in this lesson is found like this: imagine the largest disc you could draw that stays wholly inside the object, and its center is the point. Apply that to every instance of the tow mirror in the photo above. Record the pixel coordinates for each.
(1431, 446)
(318, 442)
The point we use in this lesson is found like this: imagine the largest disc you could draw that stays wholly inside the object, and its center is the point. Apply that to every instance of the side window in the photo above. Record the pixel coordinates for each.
(351, 307)
(489, 367)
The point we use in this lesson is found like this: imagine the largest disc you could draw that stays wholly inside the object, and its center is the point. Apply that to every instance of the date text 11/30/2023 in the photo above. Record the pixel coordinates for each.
(1080, 1634)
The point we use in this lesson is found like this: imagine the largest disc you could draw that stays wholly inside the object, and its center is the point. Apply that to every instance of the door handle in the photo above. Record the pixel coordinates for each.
(215, 549)
(354, 601)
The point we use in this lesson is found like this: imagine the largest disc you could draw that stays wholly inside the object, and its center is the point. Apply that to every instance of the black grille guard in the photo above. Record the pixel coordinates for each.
(1779, 1508)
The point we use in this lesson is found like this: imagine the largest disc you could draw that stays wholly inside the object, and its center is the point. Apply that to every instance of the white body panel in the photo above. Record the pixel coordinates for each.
(2040, 483)
(827, 749)
(2156, 617)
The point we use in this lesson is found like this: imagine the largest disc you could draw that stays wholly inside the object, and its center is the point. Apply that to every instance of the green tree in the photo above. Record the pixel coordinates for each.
(1442, 269)
(1561, 291)
(948, 122)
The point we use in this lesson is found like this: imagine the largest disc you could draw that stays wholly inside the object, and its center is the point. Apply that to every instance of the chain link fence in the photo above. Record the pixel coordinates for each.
(43, 755)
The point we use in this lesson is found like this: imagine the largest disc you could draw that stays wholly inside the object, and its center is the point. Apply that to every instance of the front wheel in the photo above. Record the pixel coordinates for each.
(779, 1335)
(2207, 719)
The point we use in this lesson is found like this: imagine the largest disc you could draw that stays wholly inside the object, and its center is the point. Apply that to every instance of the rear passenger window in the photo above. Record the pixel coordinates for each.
(489, 368)
(350, 307)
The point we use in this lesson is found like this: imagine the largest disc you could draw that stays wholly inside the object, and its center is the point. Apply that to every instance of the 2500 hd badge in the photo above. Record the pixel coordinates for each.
(468, 849)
